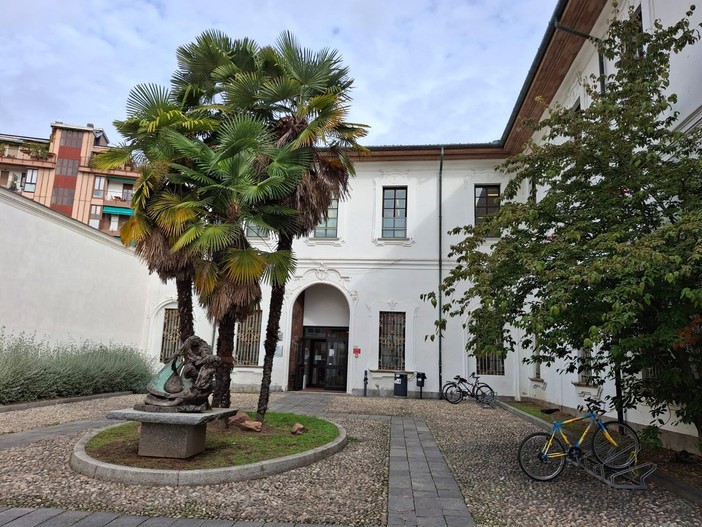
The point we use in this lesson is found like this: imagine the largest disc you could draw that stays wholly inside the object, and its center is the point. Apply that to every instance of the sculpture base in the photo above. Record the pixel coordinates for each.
(185, 408)
(171, 434)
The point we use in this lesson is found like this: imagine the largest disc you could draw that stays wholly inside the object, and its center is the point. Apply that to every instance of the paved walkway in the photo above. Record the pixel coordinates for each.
(422, 492)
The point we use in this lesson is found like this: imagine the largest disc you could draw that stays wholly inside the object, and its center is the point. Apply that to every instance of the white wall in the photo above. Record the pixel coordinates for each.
(64, 280)
(325, 306)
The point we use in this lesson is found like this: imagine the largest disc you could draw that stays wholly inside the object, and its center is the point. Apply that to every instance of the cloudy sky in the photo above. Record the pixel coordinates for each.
(426, 71)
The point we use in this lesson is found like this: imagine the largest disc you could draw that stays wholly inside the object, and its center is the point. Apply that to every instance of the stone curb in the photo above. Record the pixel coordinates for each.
(84, 464)
(659, 477)
(51, 402)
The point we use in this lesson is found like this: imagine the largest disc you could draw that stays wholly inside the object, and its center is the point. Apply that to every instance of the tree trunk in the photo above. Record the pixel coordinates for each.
(221, 397)
(186, 328)
(272, 328)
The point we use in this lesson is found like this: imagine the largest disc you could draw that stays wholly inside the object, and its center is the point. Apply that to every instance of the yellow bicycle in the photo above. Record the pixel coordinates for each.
(542, 456)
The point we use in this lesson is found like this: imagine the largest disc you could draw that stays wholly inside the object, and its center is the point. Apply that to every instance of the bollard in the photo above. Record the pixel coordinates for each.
(365, 383)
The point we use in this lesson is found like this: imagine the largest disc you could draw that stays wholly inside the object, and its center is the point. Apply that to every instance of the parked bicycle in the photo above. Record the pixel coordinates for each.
(542, 456)
(454, 391)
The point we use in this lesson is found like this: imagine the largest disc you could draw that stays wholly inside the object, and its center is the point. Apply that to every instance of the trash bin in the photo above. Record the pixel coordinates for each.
(400, 384)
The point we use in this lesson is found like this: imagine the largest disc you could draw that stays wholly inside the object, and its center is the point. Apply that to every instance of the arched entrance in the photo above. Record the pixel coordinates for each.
(320, 337)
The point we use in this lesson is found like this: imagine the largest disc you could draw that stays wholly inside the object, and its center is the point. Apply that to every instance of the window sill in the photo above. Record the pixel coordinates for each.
(333, 242)
(537, 379)
(403, 242)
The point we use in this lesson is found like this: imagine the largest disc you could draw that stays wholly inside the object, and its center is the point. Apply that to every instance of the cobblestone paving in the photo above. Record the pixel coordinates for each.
(350, 488)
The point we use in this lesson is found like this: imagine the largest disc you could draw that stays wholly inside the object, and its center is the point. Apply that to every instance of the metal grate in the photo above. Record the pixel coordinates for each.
(248, 339)
(170, 341)
(392, 341)
(491, 364)
(585, 367)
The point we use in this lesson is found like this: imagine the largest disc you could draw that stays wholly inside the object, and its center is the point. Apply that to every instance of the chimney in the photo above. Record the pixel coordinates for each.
(90, 125)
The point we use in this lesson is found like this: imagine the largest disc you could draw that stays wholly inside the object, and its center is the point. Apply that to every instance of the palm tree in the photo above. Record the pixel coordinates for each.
(303, 96)
(237, 178)
(151, 109)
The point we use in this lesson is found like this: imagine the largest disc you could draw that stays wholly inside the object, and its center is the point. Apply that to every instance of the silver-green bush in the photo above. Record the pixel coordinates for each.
(31, 369)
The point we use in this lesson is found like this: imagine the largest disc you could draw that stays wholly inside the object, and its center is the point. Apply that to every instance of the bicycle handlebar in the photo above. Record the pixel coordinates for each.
(594, 405)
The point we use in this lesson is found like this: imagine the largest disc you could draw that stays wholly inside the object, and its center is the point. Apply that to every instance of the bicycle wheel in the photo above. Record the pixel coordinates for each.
(484, 394)
(622, 452)
(452, 393)
(540, 461)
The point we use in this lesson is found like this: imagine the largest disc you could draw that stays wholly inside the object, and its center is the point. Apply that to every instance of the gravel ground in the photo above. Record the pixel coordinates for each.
(479, 444)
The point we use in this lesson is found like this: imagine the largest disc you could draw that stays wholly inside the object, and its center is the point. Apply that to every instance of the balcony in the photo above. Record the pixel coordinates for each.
(123, 199)
(25, 157)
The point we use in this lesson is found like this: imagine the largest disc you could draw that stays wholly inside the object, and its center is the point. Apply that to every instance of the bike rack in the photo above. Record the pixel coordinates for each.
(632, 477)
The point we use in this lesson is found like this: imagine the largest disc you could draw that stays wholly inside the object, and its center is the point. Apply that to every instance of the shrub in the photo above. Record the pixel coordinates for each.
(33, 369)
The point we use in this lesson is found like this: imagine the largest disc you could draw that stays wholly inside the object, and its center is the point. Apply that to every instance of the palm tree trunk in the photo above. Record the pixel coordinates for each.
(274, 313)
(186, 328)
(221, 398)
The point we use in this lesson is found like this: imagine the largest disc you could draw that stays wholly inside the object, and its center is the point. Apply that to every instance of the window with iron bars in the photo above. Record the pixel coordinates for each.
(248, 339)
(490, 364)
(391, 343)
(170, 341)
(585, 367)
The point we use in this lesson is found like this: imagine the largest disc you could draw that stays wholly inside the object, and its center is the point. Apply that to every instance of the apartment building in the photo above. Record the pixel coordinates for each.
(57, 173)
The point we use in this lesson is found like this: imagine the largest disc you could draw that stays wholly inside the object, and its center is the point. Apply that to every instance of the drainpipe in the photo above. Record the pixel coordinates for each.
(441, 270)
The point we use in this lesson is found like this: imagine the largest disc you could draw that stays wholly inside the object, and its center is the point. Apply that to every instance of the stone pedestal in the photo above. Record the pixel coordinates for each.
(172, 435)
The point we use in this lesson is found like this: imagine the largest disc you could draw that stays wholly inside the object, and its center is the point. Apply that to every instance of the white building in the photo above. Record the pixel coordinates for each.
(353, 308)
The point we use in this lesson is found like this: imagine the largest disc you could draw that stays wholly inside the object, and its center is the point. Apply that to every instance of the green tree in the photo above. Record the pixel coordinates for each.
(609, 260)
(303, 97)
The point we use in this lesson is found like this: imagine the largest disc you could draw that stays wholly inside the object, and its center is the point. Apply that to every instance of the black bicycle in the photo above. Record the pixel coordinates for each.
(454, 391)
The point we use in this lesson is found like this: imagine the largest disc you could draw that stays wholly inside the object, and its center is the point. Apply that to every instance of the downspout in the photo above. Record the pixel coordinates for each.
(441, 270)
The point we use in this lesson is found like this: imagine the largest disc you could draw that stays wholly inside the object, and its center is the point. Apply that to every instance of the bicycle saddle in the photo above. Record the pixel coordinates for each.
(549, 411)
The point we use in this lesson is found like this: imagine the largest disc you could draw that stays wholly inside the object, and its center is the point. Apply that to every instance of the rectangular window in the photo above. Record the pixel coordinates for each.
(127, 192)
(99, 187)
(62, 196)
(95, 216)
(487, 201)
(170, 341)
(67, 167)
(394, 212)
(30, 179)
(71, 138)
(254, 231)
(490, 364)
(391, 343)
(248, 339)
(327, 228)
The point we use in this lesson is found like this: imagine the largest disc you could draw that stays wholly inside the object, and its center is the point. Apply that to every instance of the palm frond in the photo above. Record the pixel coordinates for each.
(281, 267)
(147, 99)
(244, 266)
(188, 237)
(114, 158)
